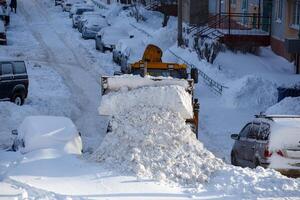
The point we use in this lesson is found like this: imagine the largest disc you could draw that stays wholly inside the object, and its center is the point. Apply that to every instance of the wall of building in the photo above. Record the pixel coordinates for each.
(195, 11)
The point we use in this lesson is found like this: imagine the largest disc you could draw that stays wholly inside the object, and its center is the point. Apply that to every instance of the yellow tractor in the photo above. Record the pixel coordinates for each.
(151, 64)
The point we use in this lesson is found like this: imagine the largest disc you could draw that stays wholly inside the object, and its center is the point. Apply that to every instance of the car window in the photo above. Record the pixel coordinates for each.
(6, 69)
(19, 68)
(245, 130)
(254, 131)
(264, 132)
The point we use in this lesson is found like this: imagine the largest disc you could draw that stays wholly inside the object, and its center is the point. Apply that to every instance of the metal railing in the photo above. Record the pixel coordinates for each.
(214, 85)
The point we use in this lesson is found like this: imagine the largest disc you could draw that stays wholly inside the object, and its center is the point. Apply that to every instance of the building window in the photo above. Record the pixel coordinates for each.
(278, 10)
(296, 14)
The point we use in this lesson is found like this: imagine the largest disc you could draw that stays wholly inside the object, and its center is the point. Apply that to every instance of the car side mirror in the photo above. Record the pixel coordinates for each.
(194, 74)
(235, 136)
(14, 132)
(131, 36)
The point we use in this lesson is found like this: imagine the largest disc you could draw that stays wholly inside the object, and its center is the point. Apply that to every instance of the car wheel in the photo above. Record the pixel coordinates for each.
(234, 160)
(18, 99)
(256, 163)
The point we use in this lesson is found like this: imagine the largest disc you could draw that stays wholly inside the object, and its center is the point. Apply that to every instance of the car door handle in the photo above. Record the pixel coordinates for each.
(243, 145)
(252, 147)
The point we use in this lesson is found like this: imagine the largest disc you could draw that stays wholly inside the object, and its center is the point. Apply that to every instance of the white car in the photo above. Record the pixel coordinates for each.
(108, 37)
(47, 132)
(92, 26)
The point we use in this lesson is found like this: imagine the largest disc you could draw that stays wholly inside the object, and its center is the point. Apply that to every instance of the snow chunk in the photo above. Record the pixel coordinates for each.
(41, 132)
(288, 106)
(135, 81)
(174, 98)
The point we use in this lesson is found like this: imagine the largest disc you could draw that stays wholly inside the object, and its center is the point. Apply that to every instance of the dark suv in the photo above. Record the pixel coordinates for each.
(269, 141)
(13, 81)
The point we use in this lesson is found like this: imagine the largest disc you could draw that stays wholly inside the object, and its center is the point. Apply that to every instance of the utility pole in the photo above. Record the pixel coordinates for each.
(179, 10)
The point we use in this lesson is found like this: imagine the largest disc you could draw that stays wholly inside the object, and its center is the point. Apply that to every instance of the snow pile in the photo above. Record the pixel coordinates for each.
(152, 139)
(288, 106)
(251, 92)
(246, 183)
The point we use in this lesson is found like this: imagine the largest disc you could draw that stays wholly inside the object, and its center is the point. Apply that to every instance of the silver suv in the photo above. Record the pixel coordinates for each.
(269, 141)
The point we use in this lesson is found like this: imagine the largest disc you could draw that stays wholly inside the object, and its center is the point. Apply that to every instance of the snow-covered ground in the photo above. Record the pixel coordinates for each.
(64, 72)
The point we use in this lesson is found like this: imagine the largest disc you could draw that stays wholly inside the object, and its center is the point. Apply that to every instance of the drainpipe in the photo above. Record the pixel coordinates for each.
(179, 37)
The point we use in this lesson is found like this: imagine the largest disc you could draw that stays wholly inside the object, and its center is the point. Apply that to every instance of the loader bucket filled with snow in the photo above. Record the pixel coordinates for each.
(149, 136)
(131, 82)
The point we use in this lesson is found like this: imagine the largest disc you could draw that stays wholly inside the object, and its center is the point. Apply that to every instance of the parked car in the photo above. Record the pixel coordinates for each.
(108, 37)
(76, 6)
(47, 132)
(13, 81)
(269, 141)
(67, 4)
(92, 27)
(86, 16)
(3, 39)
(77, 15)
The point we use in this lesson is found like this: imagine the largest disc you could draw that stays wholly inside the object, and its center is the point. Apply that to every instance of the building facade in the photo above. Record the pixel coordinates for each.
(285, 25)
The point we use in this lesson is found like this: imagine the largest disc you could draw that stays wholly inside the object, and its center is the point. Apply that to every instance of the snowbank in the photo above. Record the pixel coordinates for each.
(42, 132)
(288, 106)
(251, 92)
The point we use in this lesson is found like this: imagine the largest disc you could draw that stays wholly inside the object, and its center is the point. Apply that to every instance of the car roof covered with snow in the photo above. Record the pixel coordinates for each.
(133, 48)
(112, 34)
(99, 21)
(41, 132)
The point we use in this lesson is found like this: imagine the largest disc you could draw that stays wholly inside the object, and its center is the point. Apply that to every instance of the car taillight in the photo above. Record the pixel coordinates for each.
(267, 153)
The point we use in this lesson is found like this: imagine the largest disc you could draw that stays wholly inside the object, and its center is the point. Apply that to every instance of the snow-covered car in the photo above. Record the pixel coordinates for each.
(92, 26)
(108, 37)
(77, 15)
(85, 17)
(269, 141)
(67, 4)
(128, 51)
(47, 132)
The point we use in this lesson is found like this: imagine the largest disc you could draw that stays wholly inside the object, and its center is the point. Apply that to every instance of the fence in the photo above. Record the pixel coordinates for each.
(214, 85)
